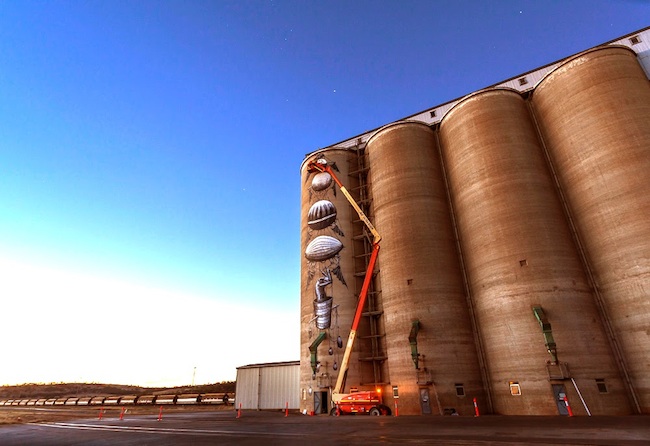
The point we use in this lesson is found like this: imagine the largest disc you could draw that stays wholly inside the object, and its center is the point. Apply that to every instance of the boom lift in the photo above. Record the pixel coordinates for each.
(367, 401)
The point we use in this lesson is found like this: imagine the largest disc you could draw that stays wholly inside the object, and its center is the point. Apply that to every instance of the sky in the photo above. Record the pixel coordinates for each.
(150, 154)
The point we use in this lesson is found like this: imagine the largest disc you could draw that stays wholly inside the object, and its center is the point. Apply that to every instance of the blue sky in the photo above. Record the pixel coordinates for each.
(150, 154)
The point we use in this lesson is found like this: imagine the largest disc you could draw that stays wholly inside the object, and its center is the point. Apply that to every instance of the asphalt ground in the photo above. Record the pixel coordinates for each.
(207, 427)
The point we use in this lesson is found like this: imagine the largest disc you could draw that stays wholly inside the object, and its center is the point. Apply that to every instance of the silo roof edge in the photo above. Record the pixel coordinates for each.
(362, 138)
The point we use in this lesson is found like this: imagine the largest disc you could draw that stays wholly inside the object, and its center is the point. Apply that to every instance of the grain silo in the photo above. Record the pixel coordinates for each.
(430, 343)
(515, 261)
(523, 268)
(594, 112)
(332, 263)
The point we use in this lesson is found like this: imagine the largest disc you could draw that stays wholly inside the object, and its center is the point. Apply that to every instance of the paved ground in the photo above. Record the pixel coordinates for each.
(273, 428)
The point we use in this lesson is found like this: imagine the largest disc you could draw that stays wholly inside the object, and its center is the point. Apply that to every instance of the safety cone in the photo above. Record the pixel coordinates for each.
(160, 414)
(286, 410)
(101, 413)
(122, 413)
(239, 411)
(476, 413)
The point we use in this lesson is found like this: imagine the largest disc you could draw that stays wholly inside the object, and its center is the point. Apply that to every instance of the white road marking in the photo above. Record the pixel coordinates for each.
(161, 430)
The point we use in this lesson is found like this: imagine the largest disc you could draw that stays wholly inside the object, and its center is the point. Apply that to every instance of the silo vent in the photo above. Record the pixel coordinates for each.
(432, 113)
(523, 262)
(523, 80)
(635, 39)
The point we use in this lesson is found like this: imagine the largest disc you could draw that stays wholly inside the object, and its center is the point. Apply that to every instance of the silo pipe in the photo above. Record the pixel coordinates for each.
(313, 349)
(548, 332)
(413, 340)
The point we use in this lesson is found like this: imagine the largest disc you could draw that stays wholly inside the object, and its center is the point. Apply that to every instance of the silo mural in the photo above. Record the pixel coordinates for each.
(327, 302)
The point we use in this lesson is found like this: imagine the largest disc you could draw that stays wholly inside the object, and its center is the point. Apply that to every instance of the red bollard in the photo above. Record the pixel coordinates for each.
(122, 413)
(476, 413)
(286, 410)
(160, 414)
(568, 406)
(101, 413)
(239, 411)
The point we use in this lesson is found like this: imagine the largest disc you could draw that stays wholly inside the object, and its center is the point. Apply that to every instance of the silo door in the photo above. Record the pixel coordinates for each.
(324, 404)
(424, 401)
(320, 402)
(318, 406)
(560, 392)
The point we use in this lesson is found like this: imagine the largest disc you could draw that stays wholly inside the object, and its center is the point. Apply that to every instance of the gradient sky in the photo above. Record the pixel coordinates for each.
(150, 154)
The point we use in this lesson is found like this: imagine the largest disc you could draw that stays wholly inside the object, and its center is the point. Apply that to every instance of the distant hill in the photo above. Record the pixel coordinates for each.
(54, 390)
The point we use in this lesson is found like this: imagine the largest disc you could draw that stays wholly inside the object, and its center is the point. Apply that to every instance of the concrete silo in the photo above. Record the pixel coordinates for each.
(328, 278)
(594, 114)
(429, 337)
(539, 323)
(515, 260)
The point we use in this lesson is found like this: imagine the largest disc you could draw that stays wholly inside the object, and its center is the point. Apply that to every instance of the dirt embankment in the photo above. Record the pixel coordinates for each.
(57, 390)
(29, 414)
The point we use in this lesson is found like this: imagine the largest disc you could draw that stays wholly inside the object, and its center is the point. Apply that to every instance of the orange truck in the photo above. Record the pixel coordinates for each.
(367, 402)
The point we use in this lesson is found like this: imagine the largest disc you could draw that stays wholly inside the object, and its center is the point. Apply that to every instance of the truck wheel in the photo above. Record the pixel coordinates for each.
(375, 411)
(333, 412)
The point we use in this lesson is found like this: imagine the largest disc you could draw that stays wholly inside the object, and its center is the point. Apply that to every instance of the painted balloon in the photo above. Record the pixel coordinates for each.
(321, 214)
(322, 248)
(321, 181)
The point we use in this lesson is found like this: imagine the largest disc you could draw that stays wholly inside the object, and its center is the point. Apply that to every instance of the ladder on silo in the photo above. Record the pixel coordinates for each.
(375, 356)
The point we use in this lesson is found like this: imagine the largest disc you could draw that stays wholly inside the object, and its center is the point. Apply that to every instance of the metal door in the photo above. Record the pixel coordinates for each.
(320, 402)
(324, 404)
(560, 392)
(317, 402)
(424, 401)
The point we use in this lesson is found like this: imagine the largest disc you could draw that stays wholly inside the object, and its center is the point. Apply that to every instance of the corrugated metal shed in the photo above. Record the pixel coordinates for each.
(268, 386)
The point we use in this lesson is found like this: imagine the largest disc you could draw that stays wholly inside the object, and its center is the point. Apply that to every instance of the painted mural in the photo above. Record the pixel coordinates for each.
(323, 259)
(322, 253)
